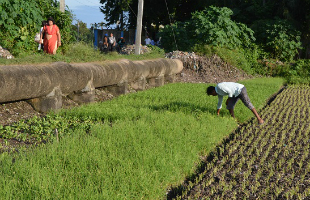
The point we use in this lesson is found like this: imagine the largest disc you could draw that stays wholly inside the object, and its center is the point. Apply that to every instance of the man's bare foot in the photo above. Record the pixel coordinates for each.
(260, 121)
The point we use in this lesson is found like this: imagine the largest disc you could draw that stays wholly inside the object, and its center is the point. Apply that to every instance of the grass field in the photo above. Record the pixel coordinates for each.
(136, 146)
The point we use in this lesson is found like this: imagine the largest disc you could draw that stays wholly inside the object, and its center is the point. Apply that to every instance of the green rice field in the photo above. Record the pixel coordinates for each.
(136, 146)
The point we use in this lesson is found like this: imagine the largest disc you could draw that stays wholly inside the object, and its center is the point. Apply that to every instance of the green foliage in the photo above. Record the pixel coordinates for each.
(156, 50)
(113, 10)
(294, 73)
(214, 26)
(133, 147)
(177, 36)
(19, 22)
(83, 34)
(245, 59)
(279, 38)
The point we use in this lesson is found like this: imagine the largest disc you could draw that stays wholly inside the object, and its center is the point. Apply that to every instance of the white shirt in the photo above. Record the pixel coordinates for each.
(227, 88)
(39, 47)
(147, 41)
(112, 40)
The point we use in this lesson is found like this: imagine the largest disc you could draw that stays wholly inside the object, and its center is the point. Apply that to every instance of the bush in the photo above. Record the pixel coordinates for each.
(156, 50)
(213, 26)
(245, 59)
(279, 38)
(18, 25)
(295, 73)
(177, 36)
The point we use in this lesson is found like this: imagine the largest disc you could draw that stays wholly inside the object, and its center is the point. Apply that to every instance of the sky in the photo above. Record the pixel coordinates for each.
(86, 11)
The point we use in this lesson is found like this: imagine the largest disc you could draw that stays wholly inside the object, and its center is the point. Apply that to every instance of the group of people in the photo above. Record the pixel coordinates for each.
(150, 41)
(50, 38)
(109, 44)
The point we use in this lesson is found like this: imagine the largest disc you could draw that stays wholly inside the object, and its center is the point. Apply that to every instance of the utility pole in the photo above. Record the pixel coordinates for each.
(139, 27)
(62, 5)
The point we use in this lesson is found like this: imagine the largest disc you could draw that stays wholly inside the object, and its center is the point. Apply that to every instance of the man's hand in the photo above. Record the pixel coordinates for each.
(218, 111)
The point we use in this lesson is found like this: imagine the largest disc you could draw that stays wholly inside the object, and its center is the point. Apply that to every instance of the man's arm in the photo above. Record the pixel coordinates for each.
(219, 104)
(58, 39)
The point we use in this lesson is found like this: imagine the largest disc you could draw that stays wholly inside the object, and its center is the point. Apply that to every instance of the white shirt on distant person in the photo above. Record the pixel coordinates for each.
(147, 41)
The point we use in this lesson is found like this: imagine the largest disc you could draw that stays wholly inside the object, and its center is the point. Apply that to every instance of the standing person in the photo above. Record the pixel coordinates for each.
(235, 91)
(41, 46)
(105, 43)
(52, 38)
(112, 42)
(147, 40)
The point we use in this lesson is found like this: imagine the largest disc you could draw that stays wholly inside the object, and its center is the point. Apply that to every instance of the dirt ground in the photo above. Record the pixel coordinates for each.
(204, 70)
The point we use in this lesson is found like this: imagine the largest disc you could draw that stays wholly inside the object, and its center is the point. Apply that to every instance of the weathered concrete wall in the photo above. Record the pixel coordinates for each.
(35, 83)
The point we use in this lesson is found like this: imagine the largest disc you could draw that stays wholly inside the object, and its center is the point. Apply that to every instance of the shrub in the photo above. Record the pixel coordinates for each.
(156, 50)
(18, 24)
(177, 36)
(279, 38)
(213, 26)
(245, 59)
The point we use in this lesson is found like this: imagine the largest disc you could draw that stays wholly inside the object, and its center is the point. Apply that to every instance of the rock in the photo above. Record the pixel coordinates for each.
(206, 69)
(130, 49)
(5, 53)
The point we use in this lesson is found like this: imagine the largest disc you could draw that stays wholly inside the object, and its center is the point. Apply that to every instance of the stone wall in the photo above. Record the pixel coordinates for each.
(43, 86)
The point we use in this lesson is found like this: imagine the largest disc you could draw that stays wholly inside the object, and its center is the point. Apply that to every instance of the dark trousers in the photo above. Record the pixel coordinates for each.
(111, 47)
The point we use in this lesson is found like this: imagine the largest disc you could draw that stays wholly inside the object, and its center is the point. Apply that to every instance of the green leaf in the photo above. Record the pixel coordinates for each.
(10, 21)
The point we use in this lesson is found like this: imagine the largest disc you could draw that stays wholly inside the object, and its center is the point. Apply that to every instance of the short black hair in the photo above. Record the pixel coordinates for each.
(210, 89)
(51, 19)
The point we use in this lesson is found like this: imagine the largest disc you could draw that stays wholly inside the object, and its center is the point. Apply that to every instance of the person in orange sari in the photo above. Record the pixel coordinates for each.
(52, 36)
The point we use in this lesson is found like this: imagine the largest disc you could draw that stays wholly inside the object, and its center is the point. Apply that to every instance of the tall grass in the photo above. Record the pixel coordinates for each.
(245, 59)
(135, 147)
(76, 52)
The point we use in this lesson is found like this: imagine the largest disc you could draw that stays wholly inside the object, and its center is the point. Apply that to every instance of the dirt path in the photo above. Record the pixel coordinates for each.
(260, 162)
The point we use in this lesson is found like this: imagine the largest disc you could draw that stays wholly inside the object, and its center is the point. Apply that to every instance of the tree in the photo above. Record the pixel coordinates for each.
(212, 26)
(114, 11)
(82, 33)
(155, 13)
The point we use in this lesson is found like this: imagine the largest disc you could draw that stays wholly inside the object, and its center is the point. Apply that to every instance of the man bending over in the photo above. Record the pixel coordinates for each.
(235, 91)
